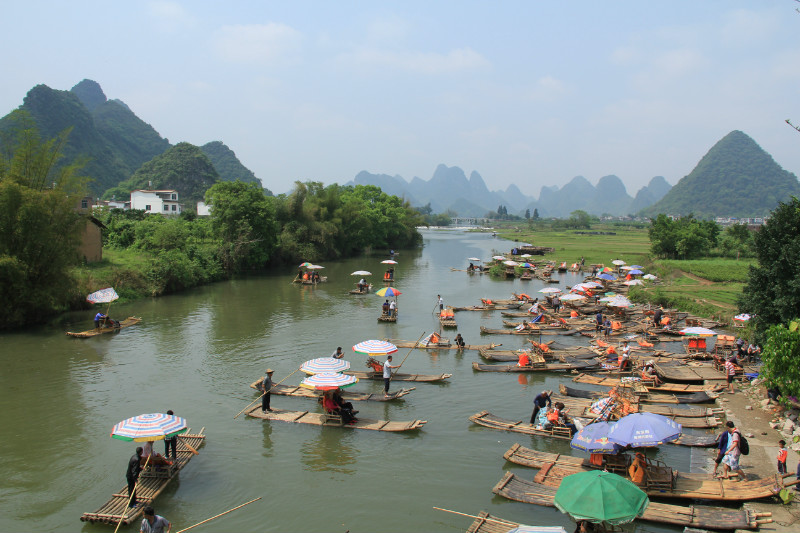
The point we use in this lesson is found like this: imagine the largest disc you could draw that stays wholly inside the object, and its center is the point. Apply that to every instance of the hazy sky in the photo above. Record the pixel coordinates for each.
(526, 92)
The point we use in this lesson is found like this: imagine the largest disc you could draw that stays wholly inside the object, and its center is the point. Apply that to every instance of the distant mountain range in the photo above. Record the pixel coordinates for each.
(116, 141)
(449, 189)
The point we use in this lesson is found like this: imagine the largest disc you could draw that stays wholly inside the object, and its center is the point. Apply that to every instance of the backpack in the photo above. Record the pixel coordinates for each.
(744, 446)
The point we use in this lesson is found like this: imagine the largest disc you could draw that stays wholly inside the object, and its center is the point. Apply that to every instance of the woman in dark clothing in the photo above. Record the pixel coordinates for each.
(541, 400)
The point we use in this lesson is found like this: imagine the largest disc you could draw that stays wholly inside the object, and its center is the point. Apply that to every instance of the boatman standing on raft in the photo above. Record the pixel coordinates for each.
(132, 474)
(387, 375)
(541, 401)
(265, 386)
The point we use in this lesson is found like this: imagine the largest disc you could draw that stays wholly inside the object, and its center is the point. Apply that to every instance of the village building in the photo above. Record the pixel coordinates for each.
(158, 201)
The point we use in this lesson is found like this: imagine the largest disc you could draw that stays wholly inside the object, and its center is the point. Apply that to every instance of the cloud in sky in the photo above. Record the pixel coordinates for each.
(530, 93)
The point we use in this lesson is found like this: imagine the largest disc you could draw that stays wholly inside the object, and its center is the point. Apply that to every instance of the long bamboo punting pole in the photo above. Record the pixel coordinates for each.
(130, 497)
(273, 386)
(504, 522)
(217, 516)
(409, 353)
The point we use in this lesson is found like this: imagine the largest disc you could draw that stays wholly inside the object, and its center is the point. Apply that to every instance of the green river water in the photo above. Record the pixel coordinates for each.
(196, 353)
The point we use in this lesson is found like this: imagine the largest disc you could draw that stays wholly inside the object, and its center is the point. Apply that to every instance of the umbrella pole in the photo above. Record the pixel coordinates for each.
(130, 497)
(217, 516)
(254, 401)
(409, 353)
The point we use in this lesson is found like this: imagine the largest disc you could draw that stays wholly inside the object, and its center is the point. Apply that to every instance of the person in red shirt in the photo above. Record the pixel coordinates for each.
(783, 454)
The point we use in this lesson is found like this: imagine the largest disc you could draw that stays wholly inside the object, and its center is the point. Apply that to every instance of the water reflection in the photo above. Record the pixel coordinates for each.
(330, 451)
(267, 430)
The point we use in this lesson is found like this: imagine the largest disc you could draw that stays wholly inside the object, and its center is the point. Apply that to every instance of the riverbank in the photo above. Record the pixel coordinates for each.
(748, 409)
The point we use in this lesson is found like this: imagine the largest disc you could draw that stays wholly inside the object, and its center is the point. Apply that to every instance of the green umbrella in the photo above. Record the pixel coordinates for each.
(600, 497)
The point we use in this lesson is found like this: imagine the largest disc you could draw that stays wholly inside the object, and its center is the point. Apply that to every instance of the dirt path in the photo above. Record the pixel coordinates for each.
(701, 281)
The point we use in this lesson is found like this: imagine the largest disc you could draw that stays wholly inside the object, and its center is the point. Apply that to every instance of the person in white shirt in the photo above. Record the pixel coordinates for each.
(393, 308)
(387, 375)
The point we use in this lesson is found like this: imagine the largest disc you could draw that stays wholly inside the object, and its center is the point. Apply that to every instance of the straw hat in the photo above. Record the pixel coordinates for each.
(549, 392)
(269, 371)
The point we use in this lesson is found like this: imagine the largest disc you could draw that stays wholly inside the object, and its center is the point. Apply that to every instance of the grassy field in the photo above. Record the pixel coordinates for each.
(706, 287)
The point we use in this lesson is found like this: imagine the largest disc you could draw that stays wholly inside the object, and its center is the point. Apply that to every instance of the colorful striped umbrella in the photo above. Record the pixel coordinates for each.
(103, 296)
(373, 347)
(154, 426)
(324, 364)
(527, 265)
(328, 381)
(306, 264)
(744, 317)
(388, 291)
(607, 269)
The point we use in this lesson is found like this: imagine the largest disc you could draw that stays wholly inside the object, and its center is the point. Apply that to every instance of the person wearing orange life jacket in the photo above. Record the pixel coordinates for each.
(624, 360)
(524, 359)
(434, 339)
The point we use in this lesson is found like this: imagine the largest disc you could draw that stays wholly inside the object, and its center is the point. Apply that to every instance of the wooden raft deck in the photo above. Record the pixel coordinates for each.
(319, 419)
(378, 376)
(128, 322)
(689, 373)
(302, 392)
(518, 489)
(677, 388)
(544, 367)
(151, 484)
(441, 345)
(486, 523)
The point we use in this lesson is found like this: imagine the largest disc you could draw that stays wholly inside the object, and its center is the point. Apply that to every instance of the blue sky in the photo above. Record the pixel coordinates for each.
(528, 92)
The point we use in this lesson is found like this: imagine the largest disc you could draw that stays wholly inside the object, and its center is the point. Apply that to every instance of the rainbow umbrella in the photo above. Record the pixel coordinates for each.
(324, 364)
(306, 264)
(527, 265)
(328, 381)
(388, 291)
(607, 269)
(373, 347)
(154, 426)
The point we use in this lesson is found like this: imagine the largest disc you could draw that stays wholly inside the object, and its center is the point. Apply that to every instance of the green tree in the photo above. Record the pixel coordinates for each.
(535, 214)
(579, 219)
(772, 291)
(780, 355)
(527, 214)
(244, 219)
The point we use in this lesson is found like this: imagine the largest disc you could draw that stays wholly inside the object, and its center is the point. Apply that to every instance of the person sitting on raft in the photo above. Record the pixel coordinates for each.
(558, 417)
(522, 327)
(155, 458)
(385, 307)
(470, 268)
(459, 341)
(524, 359)
(332, 408)
(649, 373)
(433, 339)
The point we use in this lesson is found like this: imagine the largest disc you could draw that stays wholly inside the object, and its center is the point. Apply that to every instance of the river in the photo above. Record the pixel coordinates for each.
(196, 353)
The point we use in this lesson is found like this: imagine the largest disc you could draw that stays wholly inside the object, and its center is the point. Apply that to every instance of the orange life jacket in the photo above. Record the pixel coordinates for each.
(615, 325)
(573, 314)
(434, 338)
(552, 416)
(611, 350)
(524, 360)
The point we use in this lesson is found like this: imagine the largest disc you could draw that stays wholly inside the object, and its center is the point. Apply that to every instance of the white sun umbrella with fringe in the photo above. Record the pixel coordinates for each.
(315, 267)
(619, 301)
(526, 256)
(510, 263)
(618, 262)
(473, 259)
(649, 276)
(498, 257)
(324, 364)
(634, 282)
(389, 262)
(361, 273)
(549, 290)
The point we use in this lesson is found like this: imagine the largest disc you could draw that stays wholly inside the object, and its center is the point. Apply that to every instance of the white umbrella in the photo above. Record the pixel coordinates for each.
(526, 255)
(549, 290)
(744, 317)
(511, 263)
(619, 301)
(568, 297)
(473, 259)
(617, 262)
(314, 267)
(649, 276)
(698, 332)
(627, 268)
(498, 257)
(389, 262)
(361, 273)
(634, 282)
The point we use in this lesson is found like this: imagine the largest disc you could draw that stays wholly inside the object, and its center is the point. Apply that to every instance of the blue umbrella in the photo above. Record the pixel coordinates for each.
(644, 429)
(607, 277)
(637, 266)
(593, 438)
(635, 272)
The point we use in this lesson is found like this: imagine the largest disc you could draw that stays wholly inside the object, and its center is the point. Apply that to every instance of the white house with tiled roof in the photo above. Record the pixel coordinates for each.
(163, 201)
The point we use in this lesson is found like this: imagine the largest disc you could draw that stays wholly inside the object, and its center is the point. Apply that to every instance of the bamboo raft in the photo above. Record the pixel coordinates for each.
(486, 523)
(320, 419)
(660, 481)
(152, 482)
(441, 345)
(448, 322)
(128, 322)
(542, 367)
(400, 376)
(705, 517)
(652, 397)
(302, 392)
(664, 387)
(529, 331)
(487, 419)
(698, 417)
(488, 307)
(689, 373)
(387, 318)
